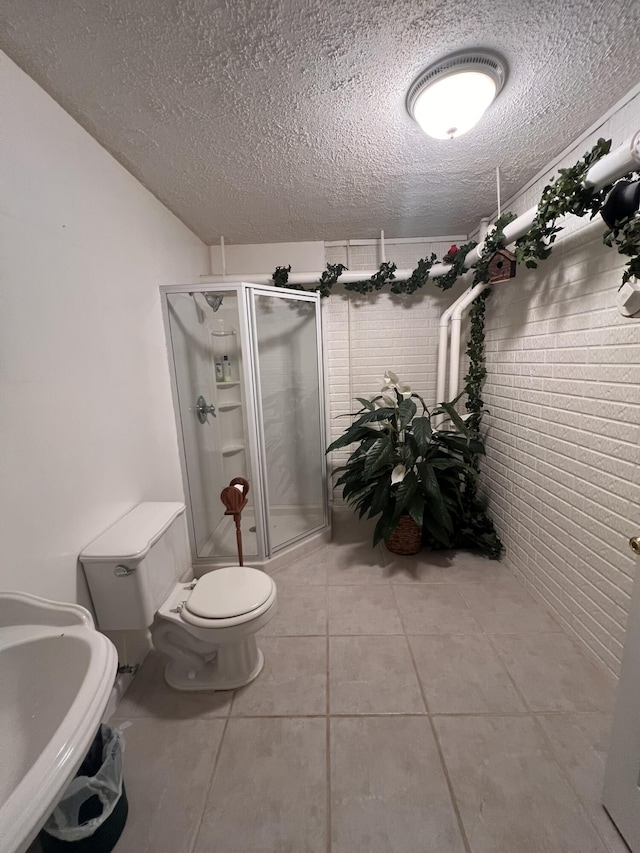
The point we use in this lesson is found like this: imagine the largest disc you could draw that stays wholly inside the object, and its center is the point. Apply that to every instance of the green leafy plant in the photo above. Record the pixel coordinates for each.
(564, 194)
(403, 465)
(625, 236)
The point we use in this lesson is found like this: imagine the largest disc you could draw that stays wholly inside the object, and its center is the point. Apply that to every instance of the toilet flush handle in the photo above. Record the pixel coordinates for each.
(123, 571)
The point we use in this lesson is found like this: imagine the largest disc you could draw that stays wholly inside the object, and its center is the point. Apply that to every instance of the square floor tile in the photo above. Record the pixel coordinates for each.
(293, 681)
(434, 609)
(269, 791)
(510, 790)
(553, 675)
(372, 675)
(167, 769)
(444, 567)
(150, 696)
(461, 673)
(309, 569)
(388, 790)
(363, 610)
(357, 563)
(505, 607)
(301, 610)
(580, 742)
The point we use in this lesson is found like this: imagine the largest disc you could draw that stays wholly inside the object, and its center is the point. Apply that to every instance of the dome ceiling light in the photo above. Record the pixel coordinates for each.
(451, 96)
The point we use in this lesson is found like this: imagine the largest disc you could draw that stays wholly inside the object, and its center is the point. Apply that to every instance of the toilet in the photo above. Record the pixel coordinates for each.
(139, 575)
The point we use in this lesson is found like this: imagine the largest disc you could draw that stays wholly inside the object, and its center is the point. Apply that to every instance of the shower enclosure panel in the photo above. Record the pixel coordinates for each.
(288, 387)
(213, 415)
(261, 418)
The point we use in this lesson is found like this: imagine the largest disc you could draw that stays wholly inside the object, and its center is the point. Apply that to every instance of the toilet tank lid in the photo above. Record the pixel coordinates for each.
(133, 535)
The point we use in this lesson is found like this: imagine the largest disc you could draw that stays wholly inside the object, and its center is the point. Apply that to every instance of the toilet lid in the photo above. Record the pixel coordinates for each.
(229, 592)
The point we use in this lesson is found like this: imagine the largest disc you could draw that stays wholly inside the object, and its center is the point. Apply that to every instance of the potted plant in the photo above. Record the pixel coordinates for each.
(419, 479)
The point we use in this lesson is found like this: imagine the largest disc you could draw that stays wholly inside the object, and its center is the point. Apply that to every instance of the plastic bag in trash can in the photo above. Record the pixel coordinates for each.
(106, 784)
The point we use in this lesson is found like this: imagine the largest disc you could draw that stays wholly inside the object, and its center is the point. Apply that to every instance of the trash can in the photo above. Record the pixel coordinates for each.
(93, 810)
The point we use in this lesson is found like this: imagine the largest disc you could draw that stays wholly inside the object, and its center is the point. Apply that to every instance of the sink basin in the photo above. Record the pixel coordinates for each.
(56, 675)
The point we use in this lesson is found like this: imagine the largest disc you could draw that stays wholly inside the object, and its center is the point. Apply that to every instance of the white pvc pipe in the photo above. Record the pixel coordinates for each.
(441, 378)
(624, 159)
(443, 339)
(223, 258)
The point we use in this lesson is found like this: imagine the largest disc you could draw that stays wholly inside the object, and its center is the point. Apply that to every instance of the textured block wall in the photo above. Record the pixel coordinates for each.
(563, 445)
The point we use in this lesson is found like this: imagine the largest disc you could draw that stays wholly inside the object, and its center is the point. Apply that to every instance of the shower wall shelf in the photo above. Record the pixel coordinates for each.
(227, 384)
(226, 407)
(222, 334)
(231, 449)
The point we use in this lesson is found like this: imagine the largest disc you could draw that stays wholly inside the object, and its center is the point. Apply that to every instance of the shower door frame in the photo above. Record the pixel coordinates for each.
(244, 292)
(292, 296)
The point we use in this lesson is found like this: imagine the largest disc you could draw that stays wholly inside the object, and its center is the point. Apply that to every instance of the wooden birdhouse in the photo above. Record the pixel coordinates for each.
(502, 266)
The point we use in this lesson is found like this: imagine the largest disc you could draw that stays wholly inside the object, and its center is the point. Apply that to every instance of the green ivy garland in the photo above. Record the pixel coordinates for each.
(625, 235)
(566, 193)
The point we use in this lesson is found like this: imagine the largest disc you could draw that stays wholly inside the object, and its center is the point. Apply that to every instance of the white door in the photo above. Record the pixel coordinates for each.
(621, 795)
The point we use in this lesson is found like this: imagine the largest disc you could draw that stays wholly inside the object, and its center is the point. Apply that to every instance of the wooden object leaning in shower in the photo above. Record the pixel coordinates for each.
(234, 497)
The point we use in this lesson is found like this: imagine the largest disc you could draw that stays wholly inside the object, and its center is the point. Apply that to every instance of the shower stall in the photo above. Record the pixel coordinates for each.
(247, 380)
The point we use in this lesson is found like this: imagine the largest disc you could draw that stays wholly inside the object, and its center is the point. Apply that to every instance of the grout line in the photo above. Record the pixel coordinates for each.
(546, 739)
(192, 846)
(584, 806)
(434, 734)
(297, 716)
(506, 670)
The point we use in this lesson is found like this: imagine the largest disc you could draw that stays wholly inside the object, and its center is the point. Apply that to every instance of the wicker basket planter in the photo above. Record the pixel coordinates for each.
(406, 538)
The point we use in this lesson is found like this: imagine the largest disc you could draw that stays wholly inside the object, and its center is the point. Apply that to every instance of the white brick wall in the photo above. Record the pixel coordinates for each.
(366, 335)
(563, 441)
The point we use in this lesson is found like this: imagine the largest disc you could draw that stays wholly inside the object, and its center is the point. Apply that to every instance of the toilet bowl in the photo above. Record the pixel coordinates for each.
(205, 627)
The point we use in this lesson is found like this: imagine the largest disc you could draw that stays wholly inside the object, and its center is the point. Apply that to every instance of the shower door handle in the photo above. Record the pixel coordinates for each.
(203, 409)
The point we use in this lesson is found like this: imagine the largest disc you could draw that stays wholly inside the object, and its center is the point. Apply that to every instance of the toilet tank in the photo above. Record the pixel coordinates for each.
(131, 567)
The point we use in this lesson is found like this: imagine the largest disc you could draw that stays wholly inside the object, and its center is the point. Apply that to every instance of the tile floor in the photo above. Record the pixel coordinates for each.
(407, 705)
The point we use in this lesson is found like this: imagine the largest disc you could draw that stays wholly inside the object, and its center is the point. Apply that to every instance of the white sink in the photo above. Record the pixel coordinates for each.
(56, 675)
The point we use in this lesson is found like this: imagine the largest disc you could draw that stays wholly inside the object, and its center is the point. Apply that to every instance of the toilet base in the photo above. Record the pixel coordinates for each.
(234, 665)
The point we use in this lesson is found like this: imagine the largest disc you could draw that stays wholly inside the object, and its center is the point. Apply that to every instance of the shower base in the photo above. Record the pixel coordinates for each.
(287, 523)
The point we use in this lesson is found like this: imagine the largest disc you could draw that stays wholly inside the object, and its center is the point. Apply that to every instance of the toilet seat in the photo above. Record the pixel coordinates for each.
(232, 591)
(228, 596)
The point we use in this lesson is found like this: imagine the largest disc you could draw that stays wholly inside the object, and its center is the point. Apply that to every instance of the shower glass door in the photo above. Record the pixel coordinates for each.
(286, 335)
(212, 386)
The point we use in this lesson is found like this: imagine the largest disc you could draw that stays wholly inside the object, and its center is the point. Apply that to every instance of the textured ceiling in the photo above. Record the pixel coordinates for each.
(274, 121)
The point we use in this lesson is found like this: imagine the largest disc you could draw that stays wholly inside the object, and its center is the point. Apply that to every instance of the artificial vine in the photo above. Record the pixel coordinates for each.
(455, 259)
(625, 235)
(566, 193)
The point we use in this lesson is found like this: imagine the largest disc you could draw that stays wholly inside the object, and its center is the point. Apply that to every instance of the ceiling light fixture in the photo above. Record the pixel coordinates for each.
(451, 96)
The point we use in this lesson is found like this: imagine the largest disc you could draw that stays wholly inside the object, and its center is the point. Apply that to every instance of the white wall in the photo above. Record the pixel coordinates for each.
(86, 418)
(564, 430)
(265, 257)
